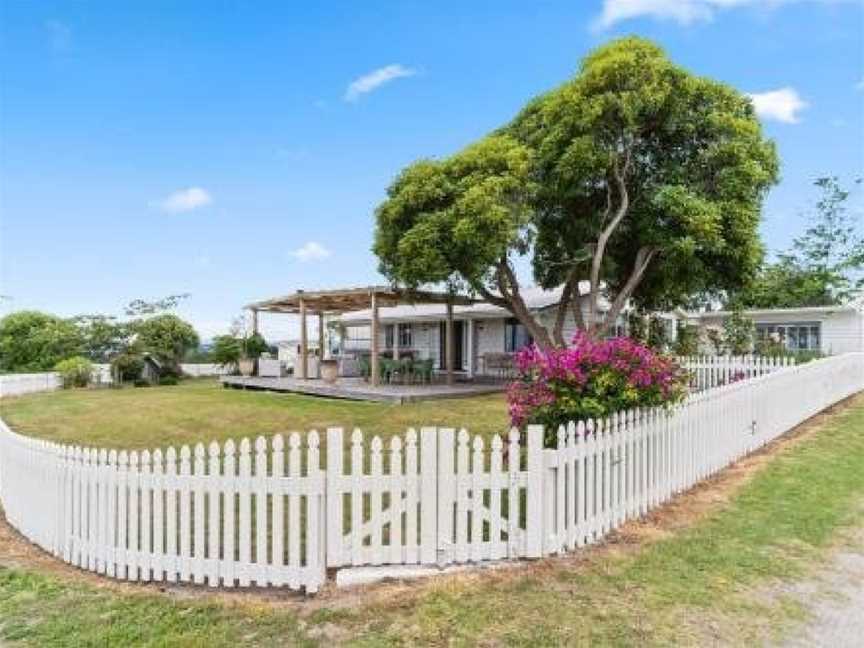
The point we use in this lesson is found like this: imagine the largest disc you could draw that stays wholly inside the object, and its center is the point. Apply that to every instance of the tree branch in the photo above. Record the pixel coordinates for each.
(600, 248)
(643, 258)
(508, 285)
(571, 285)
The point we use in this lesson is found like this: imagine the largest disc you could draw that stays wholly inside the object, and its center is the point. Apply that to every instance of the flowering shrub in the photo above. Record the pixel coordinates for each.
(588, 380)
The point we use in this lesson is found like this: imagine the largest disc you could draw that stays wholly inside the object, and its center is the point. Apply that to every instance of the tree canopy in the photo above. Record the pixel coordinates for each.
(167, 337)
(36, 341)
(635, 175)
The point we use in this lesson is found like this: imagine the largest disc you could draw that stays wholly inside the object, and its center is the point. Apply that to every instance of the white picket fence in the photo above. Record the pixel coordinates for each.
(275, 515)
(709, 371)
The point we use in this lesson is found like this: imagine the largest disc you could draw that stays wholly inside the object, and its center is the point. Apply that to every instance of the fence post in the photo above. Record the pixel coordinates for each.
(534, 530)
(428, 495)
(446, 488)
(333, 498)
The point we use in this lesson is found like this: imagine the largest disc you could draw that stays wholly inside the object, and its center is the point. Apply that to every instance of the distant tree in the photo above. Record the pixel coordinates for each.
(167, 337)
(141, 307)
(823, 267)
(36, 341)
(226, 351)
(102, 336)
(635, 175)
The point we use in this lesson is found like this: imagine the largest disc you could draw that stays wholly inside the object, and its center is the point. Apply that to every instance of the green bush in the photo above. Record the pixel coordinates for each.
(687, 340)
(75, 372)
(168, 380)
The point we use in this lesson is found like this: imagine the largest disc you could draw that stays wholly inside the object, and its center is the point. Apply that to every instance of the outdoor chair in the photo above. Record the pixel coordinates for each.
(364, 367)
(422, 369)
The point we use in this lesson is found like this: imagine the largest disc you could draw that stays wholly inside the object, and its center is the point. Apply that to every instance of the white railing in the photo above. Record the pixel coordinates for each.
(275, 515)
(709, 371)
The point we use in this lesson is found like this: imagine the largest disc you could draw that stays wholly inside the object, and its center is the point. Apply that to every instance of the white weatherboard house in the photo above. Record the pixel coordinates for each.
(827, 329)
(484, 334)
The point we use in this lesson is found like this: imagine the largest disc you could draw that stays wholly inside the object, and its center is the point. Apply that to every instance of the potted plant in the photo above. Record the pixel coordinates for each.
(329, 370)
(250, 348)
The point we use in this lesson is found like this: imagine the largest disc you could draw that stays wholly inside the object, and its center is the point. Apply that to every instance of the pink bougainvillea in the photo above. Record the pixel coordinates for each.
(590, 379)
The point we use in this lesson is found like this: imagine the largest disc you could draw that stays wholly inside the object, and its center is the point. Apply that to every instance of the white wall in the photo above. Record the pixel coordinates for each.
(18, 384)
(842, 331)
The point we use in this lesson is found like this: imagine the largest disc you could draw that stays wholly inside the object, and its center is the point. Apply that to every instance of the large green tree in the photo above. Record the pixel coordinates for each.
(167, 337)
(824, 265)
(635, 175)
(36, 341)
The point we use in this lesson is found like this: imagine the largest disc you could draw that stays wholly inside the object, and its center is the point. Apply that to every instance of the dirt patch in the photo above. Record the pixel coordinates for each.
(680, 513)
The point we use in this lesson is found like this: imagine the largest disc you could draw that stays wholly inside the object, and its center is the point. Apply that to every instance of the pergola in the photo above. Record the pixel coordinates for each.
(331, 302)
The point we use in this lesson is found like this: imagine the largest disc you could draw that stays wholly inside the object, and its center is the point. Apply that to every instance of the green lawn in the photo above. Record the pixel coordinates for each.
(701, 584)
(201, 410)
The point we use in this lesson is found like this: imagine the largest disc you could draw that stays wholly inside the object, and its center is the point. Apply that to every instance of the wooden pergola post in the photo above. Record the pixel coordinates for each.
(255, 321)
(373, 365)
(449, 342)
(320, 337)
(304, 343)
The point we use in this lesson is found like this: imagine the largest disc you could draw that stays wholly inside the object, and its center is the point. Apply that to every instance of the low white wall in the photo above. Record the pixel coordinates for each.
(17, 384)
(199, 369)
(29, 383)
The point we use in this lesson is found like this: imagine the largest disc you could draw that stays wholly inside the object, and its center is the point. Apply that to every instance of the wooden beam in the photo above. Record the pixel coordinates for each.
(304, 343)
(373, 365)
(449, 343)
(254, 320)
(320, 338)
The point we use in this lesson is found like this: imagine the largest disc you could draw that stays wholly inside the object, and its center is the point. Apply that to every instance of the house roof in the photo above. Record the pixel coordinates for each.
(536, 299)
(352, 299)
(802, 310)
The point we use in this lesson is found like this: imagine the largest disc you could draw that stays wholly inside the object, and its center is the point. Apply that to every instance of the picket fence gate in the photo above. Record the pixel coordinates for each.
(272, 514)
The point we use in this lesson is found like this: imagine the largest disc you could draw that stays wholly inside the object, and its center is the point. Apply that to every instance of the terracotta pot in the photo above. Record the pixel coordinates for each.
(329, 371)
(247, 366)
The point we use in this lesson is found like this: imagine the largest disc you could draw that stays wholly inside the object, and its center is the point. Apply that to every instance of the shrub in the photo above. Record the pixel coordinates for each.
(738, 333)
(588, 380)
(168, 380)
(75, 372)
(686, 340)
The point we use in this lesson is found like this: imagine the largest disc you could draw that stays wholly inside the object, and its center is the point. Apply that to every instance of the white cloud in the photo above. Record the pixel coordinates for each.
(185, 200)
(781, 105)
(311, 251)
(684, 12)
(375, 79)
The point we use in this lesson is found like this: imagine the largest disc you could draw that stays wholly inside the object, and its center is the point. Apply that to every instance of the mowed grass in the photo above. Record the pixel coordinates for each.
(702, 584)
(202, 411)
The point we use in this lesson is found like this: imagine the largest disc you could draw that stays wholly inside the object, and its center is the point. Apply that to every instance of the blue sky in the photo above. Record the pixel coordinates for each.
(236, 150)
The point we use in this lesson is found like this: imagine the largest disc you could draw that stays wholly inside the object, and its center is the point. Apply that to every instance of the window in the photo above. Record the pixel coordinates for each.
(515, 335)
(406, 337)
(806, 336)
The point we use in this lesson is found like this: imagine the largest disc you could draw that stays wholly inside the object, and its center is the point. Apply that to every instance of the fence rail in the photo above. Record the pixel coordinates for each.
(277, 513)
